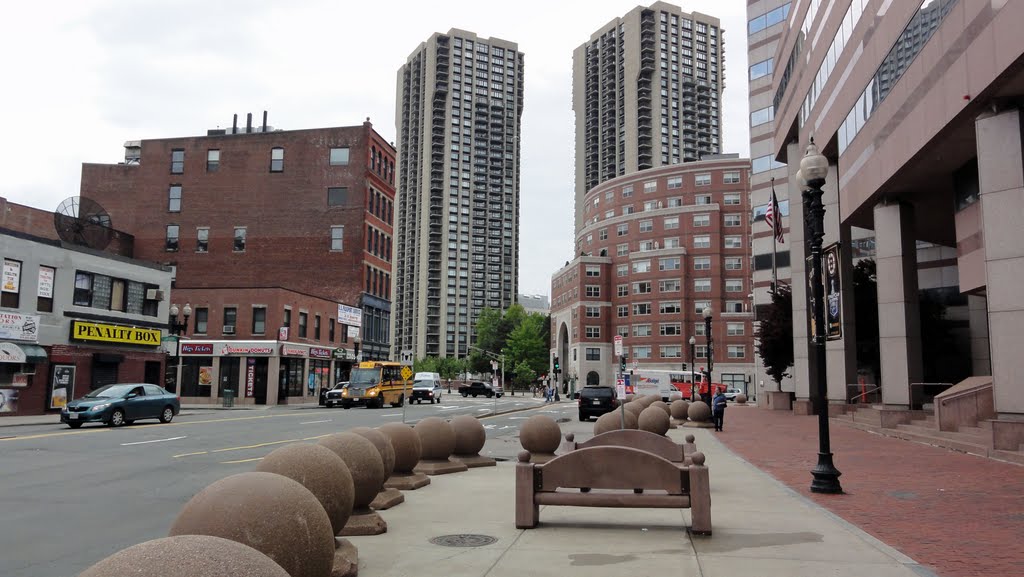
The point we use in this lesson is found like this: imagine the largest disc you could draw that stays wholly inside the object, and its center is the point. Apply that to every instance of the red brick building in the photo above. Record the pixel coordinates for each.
(272, 234)
(656, 248)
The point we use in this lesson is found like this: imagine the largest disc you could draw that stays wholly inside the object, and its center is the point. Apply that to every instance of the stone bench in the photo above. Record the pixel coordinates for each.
(613, 476)
(659, 445)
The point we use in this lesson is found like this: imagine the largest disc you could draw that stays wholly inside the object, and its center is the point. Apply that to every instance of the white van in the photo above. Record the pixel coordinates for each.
(426, 387)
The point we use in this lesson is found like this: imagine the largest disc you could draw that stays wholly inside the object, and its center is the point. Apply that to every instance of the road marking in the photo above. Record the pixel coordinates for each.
(312, 422)
(506, 427)
(482, 410)
(392, 415)
(451, 408)
(154, 441)
(241, 461)
(190, 454)
(256, 446)
(518, 418)
(490, 426)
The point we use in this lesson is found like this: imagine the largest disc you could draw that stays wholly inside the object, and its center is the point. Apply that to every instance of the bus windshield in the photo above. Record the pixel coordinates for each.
(364, 377)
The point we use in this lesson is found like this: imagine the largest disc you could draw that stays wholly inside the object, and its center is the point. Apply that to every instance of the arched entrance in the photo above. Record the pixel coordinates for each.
(593, 379)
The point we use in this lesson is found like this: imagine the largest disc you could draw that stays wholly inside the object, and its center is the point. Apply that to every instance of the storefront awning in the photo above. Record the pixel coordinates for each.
(22, 353)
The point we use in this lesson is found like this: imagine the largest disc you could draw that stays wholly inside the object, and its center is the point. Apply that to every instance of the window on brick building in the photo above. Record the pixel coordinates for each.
(259, 320)
(44, 290)
(277, 159)
(174, 198)
(230, 320)
(11, 294)
(316, 327)
(286, 319)
(339, 156)
(337, 196)
(338, 237)
(240, 234)
(303, 321)
(212, 160)
(202, 316)
(171, 240)
(202, 240)
(330, 330)
(178, 161)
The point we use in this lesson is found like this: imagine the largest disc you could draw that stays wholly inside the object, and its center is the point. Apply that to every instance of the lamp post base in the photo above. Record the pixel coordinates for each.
(826, 476)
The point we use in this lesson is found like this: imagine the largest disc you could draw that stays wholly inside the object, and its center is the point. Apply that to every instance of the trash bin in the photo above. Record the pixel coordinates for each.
(229, 398)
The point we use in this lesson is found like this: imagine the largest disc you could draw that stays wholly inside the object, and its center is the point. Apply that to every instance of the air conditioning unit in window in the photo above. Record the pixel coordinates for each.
(228, 329)
(154, 295)
(655, 245)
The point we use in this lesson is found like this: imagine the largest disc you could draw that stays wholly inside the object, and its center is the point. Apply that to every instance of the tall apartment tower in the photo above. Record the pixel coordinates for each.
(460, 100)
(647, 90)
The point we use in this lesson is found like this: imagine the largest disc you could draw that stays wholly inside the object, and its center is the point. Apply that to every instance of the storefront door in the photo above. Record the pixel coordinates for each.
(229, 375)
(152, 373)
(103, 374)
(260, 379)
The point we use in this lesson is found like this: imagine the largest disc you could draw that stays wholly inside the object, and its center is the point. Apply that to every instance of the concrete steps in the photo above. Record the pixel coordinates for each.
(1008, 456)
(977, 438)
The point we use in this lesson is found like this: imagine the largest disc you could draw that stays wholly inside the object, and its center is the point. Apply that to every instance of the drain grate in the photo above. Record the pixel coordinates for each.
(464, 540)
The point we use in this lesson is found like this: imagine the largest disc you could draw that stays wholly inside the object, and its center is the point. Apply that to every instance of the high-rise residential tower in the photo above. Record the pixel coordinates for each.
(460, 100)
(647, 89)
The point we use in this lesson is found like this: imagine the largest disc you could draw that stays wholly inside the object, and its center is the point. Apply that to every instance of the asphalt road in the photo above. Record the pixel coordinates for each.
(69, 498)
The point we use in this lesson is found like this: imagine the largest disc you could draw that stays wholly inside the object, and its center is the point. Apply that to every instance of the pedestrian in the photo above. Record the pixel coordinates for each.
(718, 405)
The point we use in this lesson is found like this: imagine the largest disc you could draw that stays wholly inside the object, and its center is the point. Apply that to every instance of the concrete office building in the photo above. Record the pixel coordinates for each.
(647, 92)
(459, 104)
(658, 247)
(540, 304)
(917, 106)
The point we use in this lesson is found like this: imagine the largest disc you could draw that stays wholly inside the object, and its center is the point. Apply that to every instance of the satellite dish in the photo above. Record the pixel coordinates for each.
(82, 221)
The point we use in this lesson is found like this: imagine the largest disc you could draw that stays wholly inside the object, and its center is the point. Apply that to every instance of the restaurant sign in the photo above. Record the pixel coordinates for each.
(246, 349)
(319, 353)
(101, 332)
(196, 348)
(292, 351)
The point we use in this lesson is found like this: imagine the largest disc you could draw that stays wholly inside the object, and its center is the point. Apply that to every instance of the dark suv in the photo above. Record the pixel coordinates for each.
(596, 401)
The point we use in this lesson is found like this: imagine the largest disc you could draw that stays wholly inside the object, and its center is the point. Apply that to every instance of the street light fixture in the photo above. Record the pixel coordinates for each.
(178, 329)
(693, 367)
(813, 169)
(711, 346)
(356, 341)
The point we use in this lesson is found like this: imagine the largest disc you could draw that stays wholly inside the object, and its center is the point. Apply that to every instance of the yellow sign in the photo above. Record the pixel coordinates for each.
(406, 373)
(83, 331)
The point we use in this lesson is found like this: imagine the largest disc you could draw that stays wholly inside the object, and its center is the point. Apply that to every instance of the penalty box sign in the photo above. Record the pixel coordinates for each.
(618, 345)
(406, 373)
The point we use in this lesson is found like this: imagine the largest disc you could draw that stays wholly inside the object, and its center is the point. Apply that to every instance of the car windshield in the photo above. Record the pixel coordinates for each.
(110, 392)
(423, 384)
(364, 377)
(340, 386)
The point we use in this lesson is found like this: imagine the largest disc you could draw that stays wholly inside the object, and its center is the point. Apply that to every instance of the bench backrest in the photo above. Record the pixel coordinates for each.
(613, 467)
(644, 440)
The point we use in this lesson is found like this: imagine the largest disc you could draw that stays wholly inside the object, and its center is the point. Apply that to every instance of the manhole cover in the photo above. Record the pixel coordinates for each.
(463, 540)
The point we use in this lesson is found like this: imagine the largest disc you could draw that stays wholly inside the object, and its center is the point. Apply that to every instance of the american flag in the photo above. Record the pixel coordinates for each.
(773, 218)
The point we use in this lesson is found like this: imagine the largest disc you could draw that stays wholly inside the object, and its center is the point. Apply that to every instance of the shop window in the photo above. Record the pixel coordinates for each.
(11, 294)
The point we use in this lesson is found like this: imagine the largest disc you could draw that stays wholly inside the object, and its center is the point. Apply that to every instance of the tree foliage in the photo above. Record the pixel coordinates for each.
(519, 335)
(525, 375)
(526, 343)
(775, 335)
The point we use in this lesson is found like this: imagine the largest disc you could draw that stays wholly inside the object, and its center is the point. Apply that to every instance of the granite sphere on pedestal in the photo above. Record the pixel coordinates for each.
(364, 462)
(406, 444)
(470, 435)
(663, 406)
(540, 434)
(268, 512)
(613, 420)
(674, 397)
(655, 420)
(635, 407)
(678, 409)
(629, 398)
(383, 444)
(699, 411)
(321, 471)
(187, 556)
(437, 439)
(741, 399)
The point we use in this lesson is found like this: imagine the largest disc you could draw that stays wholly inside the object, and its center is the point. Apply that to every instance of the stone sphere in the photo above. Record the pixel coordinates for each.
(635, 407)
(663, 406)
(321, 471)
(383, 444)
(675, 397)
(741, 398)
(469, 435)
(678, 409)
(630, 398)
(406, 444)
(268, 512)
(540, 434)
(437, 438)
(363, 462)
(613, 420)
(654, 420)
(187, 556)
(699, 411)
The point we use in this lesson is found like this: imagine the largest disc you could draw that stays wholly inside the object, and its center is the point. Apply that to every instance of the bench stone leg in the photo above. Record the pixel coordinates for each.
(700, 500)
(527, 511)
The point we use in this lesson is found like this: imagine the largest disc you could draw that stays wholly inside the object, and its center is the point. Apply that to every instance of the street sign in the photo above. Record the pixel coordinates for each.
(407, 357)
(618, 345)
(406, 373)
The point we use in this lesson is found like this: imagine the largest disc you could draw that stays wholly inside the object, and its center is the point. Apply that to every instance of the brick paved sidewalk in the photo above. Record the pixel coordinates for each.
(958, 514)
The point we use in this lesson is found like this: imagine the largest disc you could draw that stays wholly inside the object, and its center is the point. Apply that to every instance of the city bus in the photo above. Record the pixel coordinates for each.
(667, 383)
(374, 384)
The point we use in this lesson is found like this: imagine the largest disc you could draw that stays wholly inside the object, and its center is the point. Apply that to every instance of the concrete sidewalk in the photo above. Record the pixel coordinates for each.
(761, 528)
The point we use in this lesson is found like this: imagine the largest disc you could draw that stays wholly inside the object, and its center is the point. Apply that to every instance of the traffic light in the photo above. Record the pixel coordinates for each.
(622, 363)
(556, 365)
(684, 366)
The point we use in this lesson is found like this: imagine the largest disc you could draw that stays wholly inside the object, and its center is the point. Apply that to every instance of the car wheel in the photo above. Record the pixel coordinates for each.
(116, 418)
(75, 424)
(401, 401)
(584, 418)
(167, 415)
(474, 395)
(489, 395)
(466, 394)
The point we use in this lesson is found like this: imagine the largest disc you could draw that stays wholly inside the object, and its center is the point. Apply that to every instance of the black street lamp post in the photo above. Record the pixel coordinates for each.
(178, 328)
(693, 368)
(813, 168)
(711, 347)
(356, 341)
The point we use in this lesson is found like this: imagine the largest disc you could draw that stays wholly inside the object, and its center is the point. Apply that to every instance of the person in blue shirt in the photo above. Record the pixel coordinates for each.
(718, 405)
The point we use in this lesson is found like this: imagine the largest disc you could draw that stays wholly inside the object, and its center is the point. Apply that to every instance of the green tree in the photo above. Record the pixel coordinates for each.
(427, 365)
(775, 335)
(451, 367)
(525, 375)
(526, 343)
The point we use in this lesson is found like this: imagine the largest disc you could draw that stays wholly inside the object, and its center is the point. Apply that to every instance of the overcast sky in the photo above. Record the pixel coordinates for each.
(81, 77)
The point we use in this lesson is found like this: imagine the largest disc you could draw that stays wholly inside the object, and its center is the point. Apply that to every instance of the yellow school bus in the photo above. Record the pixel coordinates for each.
(374, 384)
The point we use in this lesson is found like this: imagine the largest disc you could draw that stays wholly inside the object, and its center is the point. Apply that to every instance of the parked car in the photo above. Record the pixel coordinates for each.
(426, 389)
(334, 395)
(122, 404)
(596, 401)
(730, 394)
(477, 388)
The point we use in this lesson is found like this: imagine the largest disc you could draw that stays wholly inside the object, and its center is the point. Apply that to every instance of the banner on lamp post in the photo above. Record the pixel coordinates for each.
(833, 294)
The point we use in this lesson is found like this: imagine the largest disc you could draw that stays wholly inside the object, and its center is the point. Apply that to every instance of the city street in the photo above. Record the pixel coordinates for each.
(72, 497)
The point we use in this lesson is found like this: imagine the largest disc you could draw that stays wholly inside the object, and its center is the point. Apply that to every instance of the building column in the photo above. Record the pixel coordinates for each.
(899, 315)
(977, 314)
(1001, 188)
(803, 369)
(841, 353)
